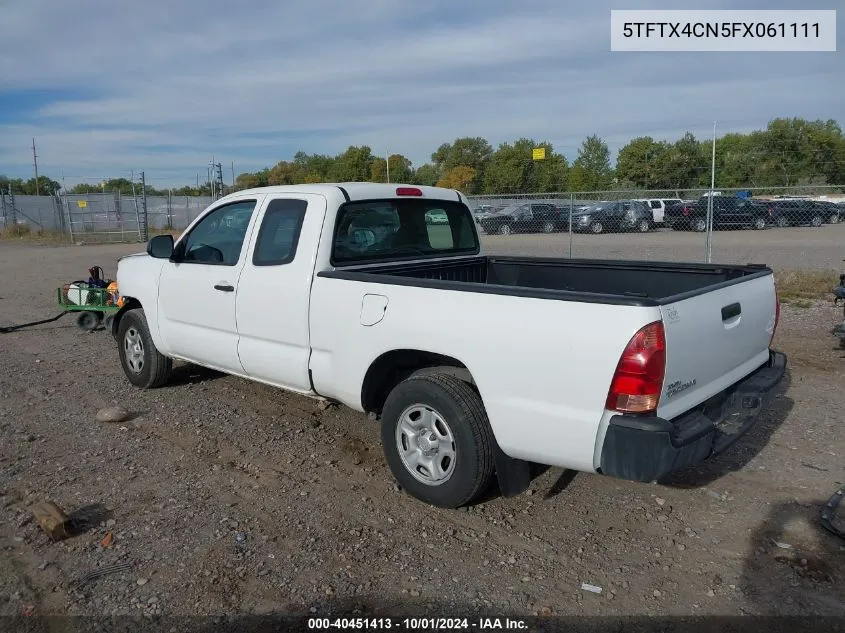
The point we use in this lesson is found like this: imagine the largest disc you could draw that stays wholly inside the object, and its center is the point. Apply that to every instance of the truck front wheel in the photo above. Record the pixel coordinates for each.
(437, 440)
(144, 366)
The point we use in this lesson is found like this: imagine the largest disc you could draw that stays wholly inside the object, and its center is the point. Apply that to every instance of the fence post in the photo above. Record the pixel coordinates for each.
(69, 219)
(146, 227)
(3, 206)
(571, 203)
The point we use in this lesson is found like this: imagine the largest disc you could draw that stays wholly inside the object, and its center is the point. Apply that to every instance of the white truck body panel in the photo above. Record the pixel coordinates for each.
(542, 366)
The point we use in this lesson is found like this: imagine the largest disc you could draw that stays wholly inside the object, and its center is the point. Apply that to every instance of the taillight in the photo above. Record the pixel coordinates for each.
(638, 380)
(408, 191)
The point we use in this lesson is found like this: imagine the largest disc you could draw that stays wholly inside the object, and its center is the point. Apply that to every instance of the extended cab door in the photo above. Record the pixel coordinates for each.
(196, 298)
(274, 292)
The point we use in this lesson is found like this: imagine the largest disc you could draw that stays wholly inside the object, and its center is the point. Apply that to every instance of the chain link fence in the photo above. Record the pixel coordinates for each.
(793, 227)
(729, 226)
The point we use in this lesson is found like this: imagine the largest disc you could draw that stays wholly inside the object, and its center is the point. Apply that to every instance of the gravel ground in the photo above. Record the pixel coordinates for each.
(225, 496)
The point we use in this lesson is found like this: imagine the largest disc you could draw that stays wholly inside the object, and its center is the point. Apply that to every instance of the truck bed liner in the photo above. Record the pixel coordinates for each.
(591, 280)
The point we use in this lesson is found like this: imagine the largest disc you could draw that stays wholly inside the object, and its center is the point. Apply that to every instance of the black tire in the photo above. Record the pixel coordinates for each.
(108, 321)
(699, 225)
(156, 368)
(759, 224)
(461, 408)
(549, 227)
(817, 221)
(782, 221)
(505, 229)
(87, 320)
(834, 219)
(596, 227)
(644, 226)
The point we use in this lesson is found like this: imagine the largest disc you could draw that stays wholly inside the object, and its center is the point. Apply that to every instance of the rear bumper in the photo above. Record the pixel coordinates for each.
(647, 448)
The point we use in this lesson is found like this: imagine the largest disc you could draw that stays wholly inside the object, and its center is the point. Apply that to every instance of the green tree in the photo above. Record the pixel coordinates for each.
(426, 174)
(401, 169)
(353, 165)
(512, 169)
(638, 163)
(473, 152)
(591, 171)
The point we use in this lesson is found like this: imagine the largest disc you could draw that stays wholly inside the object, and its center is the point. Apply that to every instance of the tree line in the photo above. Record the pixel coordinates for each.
(788, 152)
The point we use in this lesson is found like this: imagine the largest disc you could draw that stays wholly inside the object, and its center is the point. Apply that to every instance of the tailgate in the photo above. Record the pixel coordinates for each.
(713, 340)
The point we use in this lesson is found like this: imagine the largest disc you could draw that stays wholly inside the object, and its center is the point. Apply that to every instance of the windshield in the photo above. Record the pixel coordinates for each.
(373, 231)
(590, 208)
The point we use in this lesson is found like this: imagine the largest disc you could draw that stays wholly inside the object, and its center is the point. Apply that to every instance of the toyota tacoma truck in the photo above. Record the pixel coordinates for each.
(475, 365)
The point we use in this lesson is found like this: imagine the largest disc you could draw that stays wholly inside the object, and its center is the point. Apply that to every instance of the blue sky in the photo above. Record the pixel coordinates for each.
(108, 87)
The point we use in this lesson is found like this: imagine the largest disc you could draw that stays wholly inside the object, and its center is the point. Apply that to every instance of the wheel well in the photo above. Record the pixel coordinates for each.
(391, 368)
(130, 303)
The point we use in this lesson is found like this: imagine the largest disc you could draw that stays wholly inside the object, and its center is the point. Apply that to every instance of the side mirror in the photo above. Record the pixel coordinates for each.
(160, 247)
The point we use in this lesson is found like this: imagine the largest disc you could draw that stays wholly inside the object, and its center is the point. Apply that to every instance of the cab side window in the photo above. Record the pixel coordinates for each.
(278, 236)
(218, 238)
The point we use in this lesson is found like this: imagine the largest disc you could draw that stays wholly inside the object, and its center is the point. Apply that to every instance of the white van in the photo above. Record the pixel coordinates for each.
(658, 206)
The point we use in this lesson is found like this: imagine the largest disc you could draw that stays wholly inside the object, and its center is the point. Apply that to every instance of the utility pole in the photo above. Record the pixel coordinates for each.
(35, 162)
(387, 163)
(218, 177)
(233, 175)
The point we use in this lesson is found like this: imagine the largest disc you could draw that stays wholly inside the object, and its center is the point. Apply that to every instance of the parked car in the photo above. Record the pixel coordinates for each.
(534, 217)
(658, 206)
(727, 211)
(437, 216)
(670, 364)
(798, 212)
(617, 215)
(831, 210)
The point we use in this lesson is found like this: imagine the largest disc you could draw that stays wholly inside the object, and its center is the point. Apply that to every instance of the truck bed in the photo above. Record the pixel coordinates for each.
(600, 281)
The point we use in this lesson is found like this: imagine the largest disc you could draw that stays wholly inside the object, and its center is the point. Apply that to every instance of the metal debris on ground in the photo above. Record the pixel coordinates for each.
(52, 520)
(591, 588)
(828, 513)
(106, 570)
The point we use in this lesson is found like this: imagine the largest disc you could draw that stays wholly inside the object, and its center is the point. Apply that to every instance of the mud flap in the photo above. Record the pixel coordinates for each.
(513, 475)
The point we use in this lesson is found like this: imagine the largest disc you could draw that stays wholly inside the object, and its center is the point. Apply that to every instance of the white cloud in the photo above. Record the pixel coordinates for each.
(166, 85)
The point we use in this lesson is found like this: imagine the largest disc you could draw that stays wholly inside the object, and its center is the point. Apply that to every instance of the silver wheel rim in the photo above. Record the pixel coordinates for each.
(133, 346)
(700, 225)
(548, 227)
(760, 223)
(817, 221)
(782, 222)
(505, 229)
(834, 219)
(644, 226)
(426, 445)
(597, 227)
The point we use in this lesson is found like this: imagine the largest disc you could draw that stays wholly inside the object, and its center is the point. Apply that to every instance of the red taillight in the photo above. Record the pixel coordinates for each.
(408, 191)
(638, 380)
(686, 210)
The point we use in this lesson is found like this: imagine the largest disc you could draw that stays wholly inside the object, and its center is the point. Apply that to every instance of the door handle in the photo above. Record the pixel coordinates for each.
(224, 287)
(731, 311)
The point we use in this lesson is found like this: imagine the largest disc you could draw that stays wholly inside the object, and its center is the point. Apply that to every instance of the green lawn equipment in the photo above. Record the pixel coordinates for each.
(95, 301)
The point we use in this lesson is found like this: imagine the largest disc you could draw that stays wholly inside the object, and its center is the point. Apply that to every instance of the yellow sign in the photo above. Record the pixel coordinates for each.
(538, 153)
(81, 203)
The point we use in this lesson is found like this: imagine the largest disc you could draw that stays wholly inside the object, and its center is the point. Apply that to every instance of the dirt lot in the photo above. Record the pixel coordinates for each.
(224, 496)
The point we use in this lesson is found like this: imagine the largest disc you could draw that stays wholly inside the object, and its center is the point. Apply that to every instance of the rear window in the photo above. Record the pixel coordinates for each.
(390, 230)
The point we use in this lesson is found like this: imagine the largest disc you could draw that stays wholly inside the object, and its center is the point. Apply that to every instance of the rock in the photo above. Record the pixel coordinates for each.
(711, 593)
(141, 582)
(112, 415)
(657, 593)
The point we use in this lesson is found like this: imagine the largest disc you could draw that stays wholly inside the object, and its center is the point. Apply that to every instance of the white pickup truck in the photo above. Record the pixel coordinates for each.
(476, 365)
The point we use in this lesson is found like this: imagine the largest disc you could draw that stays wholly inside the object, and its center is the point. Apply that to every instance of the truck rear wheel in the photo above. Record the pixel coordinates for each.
(144, 366)
(437, 440)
